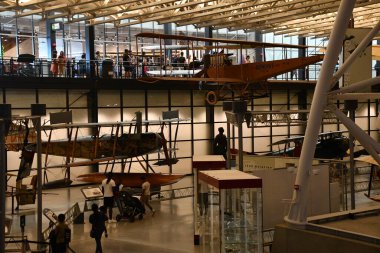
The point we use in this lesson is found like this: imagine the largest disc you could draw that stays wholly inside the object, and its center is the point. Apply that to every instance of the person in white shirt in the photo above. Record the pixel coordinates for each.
(108, 185)
(145, 194)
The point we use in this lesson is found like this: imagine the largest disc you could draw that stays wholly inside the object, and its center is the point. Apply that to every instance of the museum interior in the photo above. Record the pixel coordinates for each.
(255, 125)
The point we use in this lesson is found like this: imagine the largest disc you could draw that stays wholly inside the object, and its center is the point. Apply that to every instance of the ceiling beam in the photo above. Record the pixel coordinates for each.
(91, 10)
(278, 16)
(57, 7)
(203, 15)
(17, 6)
(306, 25)
(257, 12)
(148, 13)
(273, 19)
(168, 18)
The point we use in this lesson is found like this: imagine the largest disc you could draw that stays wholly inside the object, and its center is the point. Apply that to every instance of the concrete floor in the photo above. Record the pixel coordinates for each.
(169, 231)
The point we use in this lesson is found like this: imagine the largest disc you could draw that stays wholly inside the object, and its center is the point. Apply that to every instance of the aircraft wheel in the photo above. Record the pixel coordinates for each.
(211, 97)
(141, 216)
(118, 217)
(131, 219)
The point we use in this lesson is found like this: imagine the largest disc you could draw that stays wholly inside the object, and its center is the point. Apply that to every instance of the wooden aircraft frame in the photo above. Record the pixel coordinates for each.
(227, 81)
(99, 148)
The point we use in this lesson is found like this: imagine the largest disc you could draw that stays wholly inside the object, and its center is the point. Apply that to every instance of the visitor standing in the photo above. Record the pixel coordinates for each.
(108, 185)
(98, 222)
(145, 194)
(220, 143)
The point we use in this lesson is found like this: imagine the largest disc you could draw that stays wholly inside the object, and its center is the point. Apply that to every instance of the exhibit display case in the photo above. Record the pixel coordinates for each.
(231, 213)
(203, 162)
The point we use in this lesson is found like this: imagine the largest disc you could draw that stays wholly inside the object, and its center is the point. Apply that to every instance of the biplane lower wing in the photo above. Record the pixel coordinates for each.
(191, 79)
(180, 72)
(132, 179)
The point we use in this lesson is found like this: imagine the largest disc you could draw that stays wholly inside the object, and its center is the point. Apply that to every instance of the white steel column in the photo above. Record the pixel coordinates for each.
(297, 213)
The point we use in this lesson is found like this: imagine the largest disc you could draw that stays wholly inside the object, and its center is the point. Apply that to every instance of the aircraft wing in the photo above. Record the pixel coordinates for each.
(191, 79)
(287, 140)
(108, 124)
(368, 159)
(251, 44)
(173, 72)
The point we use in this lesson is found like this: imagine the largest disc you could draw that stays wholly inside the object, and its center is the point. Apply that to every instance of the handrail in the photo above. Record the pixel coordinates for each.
(73, 68)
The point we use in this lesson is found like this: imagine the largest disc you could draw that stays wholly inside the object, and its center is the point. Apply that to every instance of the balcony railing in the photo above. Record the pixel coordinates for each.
(105, 68)
(68, 69)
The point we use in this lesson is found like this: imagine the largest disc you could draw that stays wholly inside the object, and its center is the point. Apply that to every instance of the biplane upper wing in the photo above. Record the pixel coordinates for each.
(250, 44)
(110, 124)
(301, 137)
(287, 140)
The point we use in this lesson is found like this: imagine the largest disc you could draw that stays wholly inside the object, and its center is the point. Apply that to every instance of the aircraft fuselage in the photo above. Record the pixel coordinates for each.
(90, 147)
(260, 71)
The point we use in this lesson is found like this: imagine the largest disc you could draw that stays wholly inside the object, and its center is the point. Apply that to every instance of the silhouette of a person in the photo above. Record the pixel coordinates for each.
(220, 143)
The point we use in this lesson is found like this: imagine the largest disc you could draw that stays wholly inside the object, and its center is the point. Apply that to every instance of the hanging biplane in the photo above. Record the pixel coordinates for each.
(330, 145)
(218, 69)
(103, 148)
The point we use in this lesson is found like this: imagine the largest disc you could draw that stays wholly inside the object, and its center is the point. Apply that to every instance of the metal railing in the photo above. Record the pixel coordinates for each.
(104, 68)
(70, 68)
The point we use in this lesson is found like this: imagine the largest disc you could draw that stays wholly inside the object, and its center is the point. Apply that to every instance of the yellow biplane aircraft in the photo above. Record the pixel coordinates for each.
(217, 68)
(99, 148)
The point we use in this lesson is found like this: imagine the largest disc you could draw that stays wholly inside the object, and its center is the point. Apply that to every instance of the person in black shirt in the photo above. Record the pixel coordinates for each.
(220, 143)
(181, 60)
(98, 221)
(127, 63)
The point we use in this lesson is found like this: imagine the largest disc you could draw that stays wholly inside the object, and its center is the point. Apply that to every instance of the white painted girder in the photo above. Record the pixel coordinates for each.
(282, 9)
(289, 17)
(325, 24)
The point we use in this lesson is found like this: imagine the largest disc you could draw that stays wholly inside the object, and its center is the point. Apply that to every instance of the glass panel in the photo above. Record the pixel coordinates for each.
(20, 98)
(199, 98)
(184, 113)
(80, 115)
(241, 223)
(202, 147)
(184, 149)
(157, 98)
(219, 114)
(261, 145)
(180, 98)
(52, 98)
(129, 113)
(183, 166)
(109, 115)
(199, 114)
(134, 98)
(109, 99)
